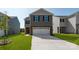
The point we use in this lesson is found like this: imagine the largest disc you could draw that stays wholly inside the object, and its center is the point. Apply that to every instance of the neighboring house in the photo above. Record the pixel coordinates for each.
(60, 24)
(73, 23)
(13, 25)
(2, 15)
(39, 22)
(66, 24)
(44, 22)
(1, 32)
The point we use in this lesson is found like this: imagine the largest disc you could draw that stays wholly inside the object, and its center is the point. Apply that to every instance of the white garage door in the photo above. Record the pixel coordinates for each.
(41, 30)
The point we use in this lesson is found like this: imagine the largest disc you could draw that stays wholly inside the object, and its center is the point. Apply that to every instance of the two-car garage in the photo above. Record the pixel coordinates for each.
(41, 30)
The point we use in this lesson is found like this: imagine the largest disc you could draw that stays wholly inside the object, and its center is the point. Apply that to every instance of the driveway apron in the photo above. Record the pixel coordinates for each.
(47, 42)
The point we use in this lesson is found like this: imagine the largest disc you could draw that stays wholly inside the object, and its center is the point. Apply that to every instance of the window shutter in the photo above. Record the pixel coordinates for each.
(43, 18)
(33, 18)
(48, 18)
(38, 18)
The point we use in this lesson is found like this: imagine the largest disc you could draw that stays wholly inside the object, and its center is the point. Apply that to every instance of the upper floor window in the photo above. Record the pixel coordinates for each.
(27, 22)
(36, 18)
(61, 20)
(46, 18)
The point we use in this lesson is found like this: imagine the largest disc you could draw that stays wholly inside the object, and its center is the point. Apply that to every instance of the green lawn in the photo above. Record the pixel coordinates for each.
(74, 38)
(19, 42)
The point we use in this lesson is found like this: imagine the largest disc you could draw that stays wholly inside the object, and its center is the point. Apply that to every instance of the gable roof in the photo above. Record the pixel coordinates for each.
(13, 16)
(41, 11)
(74, 14)
(2, 14)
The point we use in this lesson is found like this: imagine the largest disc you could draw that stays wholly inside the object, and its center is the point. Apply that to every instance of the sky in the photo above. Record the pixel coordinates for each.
(21, 13)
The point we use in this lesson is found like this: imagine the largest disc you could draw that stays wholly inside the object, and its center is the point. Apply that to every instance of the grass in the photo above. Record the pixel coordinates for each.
(19, 42)
(74, 38)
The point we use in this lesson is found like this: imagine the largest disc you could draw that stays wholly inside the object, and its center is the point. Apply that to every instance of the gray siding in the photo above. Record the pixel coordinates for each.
(56, 22)
(63, 24)
(71, 25)
(13, 26)
(77, 19)
(77, 23)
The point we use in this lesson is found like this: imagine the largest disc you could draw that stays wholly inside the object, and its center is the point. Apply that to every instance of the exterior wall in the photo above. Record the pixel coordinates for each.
(41, 12)
(27, 25)
(56, 23)
(13, 26)
(63, 24)
(77, 19)
(77, 23)
(41, 23)
(71, 25)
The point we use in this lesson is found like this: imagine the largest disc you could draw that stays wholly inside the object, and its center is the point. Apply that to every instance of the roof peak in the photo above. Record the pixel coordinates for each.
(41, 11)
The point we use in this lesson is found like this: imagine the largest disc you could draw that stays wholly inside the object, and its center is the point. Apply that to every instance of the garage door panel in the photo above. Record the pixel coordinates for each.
(41, 30)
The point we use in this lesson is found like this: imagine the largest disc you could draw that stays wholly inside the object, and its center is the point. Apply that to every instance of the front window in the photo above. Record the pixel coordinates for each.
(46, 18)
(61, 20)
(36, 18)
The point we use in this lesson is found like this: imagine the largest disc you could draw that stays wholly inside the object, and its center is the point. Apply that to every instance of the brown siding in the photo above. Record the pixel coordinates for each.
(41, 22)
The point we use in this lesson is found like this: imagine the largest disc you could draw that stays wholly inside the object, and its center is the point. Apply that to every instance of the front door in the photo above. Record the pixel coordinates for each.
(27, 30)
(62, 29)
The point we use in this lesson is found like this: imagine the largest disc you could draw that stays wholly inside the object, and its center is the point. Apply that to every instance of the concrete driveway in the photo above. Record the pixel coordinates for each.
(47, 42)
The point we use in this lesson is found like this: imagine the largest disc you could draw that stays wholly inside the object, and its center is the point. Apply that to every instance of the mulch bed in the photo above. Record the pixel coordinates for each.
(7, 41)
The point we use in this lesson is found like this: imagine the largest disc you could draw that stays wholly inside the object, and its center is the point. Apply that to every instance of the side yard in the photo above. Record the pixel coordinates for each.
(74, 38)
(19, 42)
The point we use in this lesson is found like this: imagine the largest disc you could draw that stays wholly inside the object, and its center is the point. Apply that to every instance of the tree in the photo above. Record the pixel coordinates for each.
(4, 26)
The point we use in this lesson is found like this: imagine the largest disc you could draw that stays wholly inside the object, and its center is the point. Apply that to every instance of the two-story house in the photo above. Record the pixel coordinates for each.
(66, 24)
(60, 24)
(44, 22)
(73, 23)
(39, 22)
(13, 24)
